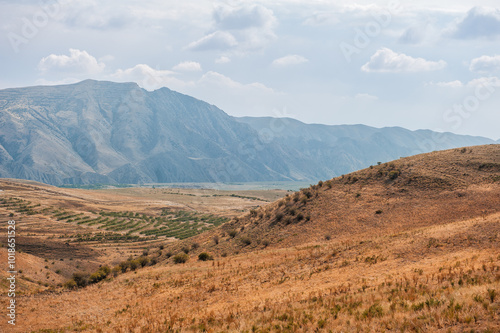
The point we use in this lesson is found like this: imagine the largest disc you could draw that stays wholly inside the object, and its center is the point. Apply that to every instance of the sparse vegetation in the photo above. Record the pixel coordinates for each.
(204, 256)
(430, 262)
(181, 258)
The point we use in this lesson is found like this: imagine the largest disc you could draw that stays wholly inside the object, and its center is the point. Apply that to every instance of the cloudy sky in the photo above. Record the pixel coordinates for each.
(415, 64)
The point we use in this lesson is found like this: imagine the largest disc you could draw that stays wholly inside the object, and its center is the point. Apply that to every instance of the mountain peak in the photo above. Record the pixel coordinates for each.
(99, 132)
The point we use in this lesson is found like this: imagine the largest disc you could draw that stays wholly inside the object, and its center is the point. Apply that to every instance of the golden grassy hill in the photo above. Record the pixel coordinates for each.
(407, 246)
(413, 192)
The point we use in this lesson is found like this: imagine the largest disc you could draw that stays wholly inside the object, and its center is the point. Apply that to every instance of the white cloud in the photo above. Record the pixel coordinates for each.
(147, 77)
(78, 62)
(366, 97)
(485, 64)
(188, 66)
(480, 22)
(289, 60)
(245, 17)
(234, 97)
(92, 14)
(413, 35)
(491, 81)
(322, 18)
(219, 40)
(450, 84)
(214, 79)
(222, 60)
(388, 61)
(240, 29)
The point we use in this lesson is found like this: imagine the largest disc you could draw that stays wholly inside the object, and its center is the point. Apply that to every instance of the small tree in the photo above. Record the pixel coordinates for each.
(204, 256)
(181, 258)
(143, 261)
(81, 279)
(246, 240)
(133, 264)
(124, 265)
(71, 284)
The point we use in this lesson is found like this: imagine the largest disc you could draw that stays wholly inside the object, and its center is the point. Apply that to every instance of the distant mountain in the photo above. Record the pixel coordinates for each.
(346, 148)
(105, 132)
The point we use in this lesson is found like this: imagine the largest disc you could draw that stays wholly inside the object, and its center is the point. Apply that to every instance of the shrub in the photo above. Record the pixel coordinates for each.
(492, 294)
(124, 265)
(181, 258)
(71, 284)
(162, 247)
(216, 239)
(204, 256)
(246, 240)
(194, 246)
(185, 249)
(143, 261)
(97, 276)
(232, 233)
(265, 242)
(116, 271)
(378, 212)
(81, 279)
(169, 254)
(279, 216)
(394, 174)
(133, 264)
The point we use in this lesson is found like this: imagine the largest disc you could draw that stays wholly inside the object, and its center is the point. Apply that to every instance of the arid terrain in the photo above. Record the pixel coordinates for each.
(411, 245)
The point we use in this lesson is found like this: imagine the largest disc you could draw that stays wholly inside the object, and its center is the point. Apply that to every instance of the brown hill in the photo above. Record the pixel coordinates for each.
(408, 246)
(413, 192)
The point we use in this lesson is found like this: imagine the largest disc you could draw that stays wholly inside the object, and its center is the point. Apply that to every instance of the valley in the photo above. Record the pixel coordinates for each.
(406, 246)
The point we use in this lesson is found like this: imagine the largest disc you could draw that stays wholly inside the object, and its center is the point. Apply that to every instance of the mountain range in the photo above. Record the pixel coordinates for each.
(108, 133)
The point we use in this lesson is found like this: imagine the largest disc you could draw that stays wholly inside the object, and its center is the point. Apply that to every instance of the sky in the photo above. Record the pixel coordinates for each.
(415, 64)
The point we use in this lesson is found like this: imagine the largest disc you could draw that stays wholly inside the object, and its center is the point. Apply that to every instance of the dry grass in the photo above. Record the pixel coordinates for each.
(409, 246)
(430, 279)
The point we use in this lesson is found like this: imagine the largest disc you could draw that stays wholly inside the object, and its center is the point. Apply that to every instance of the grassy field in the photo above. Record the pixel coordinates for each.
(407, 246)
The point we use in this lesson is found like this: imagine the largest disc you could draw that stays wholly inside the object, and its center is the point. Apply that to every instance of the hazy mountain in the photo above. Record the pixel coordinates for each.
(104, 132)
(346, 148)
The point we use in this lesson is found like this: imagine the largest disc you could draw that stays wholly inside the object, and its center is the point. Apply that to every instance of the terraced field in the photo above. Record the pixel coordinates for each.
(121, 226)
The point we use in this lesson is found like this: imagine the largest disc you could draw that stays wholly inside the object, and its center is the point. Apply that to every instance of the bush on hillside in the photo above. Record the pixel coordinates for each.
(181, 258)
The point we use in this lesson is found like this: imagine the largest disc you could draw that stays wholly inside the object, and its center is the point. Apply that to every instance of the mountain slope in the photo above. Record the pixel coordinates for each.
(407, 246)
(108, 132)
(414, 192)
(105, 132)
(346, 148)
